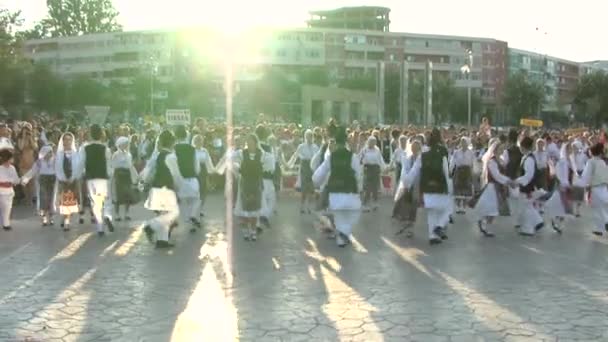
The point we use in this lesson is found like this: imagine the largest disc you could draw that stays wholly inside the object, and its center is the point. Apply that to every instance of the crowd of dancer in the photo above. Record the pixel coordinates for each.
(530, 176)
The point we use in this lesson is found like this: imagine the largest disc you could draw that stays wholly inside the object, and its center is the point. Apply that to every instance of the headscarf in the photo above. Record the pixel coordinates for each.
(60, 157)
(122, 141)
(308, 133)
(493, 145)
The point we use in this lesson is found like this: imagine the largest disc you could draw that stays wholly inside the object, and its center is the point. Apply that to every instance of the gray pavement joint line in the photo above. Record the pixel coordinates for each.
(15, 252)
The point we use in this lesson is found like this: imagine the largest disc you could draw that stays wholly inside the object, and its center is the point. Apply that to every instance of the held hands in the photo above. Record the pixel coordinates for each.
(513, 184)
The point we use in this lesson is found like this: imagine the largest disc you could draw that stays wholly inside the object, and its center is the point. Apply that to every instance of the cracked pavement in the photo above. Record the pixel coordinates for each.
(294, 284)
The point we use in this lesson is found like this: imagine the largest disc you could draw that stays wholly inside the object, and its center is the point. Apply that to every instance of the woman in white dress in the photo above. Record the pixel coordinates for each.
(559, 206)
(68, 190)
(595, 176)
(492, 200)
(407, 200)
(398, 156)
(461, 168)
(303, 155)
(124, 178)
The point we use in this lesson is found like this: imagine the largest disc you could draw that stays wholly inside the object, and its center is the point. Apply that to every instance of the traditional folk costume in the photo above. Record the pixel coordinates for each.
(542, 165)
(341, 173)
(250, 197)
(560, 206)
(373, 164)
(269, 195)
(435, 187)
(324, 217)
(492, 200)
(44, 171)
(397, 158)
(206, 167)
(67, 198)
(124, 179)
(512, 158)
(303, 156)
(407, 200)
(530, 219)
(8, 179)
(188, 191)
(162, 175)
(580, 160)
(461, 167)
(595, 176)
(95, 158)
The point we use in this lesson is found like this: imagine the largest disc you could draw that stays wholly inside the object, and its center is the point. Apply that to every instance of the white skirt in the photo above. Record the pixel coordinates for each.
(554, 207)
(438, 201)
(487, 205)
(161, 199)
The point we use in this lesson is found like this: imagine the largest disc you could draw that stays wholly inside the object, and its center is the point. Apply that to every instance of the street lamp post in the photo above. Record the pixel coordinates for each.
(466, 71)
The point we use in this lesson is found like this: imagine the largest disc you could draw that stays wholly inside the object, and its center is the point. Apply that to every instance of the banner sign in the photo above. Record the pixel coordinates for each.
(531, 122)
(575, 131)
(175, 117)
(97, 114)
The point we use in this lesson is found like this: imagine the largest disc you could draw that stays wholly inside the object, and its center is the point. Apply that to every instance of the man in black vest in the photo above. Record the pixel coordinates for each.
(95, 167)
(511, 158)
(342, 171)
(162, 175)
(432, 167)
(531, 221)
(269, 197)
(189, 167)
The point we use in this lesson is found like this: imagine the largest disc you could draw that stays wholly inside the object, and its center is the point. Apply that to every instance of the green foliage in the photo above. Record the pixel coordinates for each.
(592, 97)
(365, 82)
(76, 17)
(47, 91)
(522, 97)
(12, 64)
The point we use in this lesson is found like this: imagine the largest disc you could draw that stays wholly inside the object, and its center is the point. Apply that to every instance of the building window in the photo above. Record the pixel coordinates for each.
(392, 57)
(281, 53)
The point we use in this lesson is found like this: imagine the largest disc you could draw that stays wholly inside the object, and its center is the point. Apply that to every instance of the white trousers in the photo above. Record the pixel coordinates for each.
(163, 222)
(438, 210)
(6, 205)
(189, 207)
(269, 197)
(528, 215)
(101, 206)
(344, 220)
(599, 207)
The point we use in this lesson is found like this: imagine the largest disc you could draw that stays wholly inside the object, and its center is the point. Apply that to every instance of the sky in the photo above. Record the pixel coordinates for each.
(573, 30)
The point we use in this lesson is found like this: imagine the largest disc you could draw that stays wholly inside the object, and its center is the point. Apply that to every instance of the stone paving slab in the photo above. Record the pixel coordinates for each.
(294, 284)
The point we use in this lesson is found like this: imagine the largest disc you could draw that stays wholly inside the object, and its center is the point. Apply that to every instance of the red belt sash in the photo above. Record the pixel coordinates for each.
(6, 185)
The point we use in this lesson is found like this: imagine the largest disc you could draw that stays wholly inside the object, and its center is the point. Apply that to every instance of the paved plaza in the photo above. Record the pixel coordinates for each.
(294, 284)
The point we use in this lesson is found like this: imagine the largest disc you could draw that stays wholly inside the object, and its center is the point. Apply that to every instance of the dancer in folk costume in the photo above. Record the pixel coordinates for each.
(162, 176)
(44, 171)
(580, 160)
(530, 219)
(269, 166)
(206, 167)
(67, 197)
(95, 158)
(8, 179)
(303, 156)
(189, 167)
(435, 186)
(492, 199)
(512, 158)
(461, 167)
(341, 173)
(373, 164)
(250, 197)
(560, 206)
(542, 164)
(325, 218)
(595, 176)
(407, 200)
(398, 156)
(124, 178)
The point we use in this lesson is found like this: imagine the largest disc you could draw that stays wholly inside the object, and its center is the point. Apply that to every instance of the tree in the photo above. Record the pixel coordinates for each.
(46, 90)
(460, 105)
(77, 17)
(318, 76)
(522, 97)
(12, 64)
(365, 82)
(85, 91)
(592, 96)
(443, 96)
